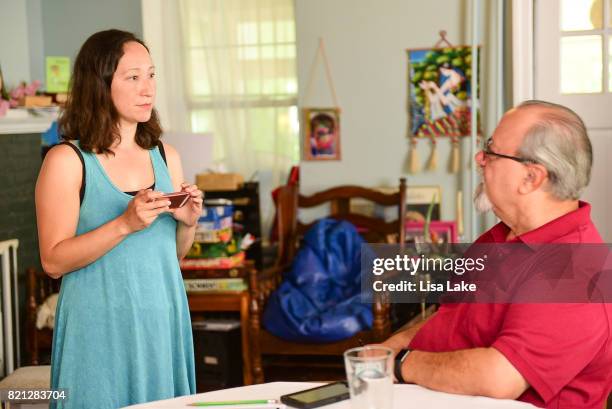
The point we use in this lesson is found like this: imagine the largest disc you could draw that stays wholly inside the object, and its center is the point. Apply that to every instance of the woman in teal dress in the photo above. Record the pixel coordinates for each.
(122, 328)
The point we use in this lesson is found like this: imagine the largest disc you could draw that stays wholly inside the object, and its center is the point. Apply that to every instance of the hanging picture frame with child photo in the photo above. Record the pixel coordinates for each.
(321, 126)
(321, 138)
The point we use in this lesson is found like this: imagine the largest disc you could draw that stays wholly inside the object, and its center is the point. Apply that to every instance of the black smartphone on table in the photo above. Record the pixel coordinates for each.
(319, 396)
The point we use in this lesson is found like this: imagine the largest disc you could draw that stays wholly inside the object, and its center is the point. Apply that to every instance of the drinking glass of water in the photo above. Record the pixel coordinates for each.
(369, 370)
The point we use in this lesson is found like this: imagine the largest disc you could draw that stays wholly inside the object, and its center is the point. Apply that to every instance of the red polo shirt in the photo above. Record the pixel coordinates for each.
(564, 351)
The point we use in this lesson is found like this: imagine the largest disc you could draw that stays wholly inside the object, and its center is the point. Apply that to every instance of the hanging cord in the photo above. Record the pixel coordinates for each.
(330, 82)
(442, 40)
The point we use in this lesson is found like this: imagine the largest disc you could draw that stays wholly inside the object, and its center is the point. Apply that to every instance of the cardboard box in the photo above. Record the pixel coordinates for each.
(32, 101)
(219, 181)
(215, 224)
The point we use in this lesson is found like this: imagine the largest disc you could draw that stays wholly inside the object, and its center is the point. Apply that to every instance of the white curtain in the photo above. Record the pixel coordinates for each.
(241, 82)
(167, 53)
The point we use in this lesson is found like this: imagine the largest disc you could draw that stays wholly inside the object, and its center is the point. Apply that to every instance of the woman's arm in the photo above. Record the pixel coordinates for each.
(184, 238)
(57, 215)
(188, 215)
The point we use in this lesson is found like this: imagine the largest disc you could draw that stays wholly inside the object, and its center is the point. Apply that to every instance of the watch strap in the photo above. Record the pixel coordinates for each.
(397, 367)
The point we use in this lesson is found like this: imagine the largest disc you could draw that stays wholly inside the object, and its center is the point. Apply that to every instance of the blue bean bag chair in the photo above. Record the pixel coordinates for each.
(320, 297)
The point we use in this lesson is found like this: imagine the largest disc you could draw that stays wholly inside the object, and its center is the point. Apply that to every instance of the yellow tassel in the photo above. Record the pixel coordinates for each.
(413, 157)
(432, 163)
(454, 162)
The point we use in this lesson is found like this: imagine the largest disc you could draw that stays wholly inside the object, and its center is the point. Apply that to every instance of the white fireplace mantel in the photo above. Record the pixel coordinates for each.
(21, 121)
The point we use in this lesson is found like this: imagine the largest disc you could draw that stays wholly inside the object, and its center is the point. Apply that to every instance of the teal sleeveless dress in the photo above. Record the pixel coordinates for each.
(122, 328)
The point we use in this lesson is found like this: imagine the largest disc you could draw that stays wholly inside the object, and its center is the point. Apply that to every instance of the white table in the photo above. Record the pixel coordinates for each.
(404, 397)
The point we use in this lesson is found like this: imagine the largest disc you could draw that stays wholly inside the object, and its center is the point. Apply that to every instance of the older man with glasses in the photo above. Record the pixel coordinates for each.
(554, 355)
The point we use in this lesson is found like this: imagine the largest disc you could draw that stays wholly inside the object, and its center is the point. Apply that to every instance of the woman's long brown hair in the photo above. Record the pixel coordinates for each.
(90, 115)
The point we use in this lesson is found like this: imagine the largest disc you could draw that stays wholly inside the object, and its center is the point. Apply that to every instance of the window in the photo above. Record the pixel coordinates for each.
(242, 83)
(585, 46)
(572, 62)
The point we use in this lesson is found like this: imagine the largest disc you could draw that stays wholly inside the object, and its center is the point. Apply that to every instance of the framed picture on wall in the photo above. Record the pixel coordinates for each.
(418, 199)
(58, 74)
(439, 87)
(321, 137)
(441, 232)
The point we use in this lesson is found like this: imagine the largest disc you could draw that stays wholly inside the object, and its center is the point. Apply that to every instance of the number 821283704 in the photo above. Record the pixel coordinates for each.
(32, 395)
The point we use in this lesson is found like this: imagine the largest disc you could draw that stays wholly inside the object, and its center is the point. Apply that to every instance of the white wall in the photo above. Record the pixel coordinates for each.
(14, 43)
(366, 44)
(68, 23)
(30, 30)
(36, 43)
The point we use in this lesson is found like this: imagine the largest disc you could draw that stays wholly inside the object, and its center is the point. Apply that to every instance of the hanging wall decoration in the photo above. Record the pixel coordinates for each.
(322, 133)
(321, 126)
(58, 74)
(439, 89)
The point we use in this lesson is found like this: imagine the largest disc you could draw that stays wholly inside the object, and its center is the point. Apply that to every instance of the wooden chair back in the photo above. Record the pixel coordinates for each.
(39, 287)
(373, 229)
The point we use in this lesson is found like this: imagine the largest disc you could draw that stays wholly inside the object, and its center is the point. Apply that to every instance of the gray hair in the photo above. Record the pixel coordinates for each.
(559, 141)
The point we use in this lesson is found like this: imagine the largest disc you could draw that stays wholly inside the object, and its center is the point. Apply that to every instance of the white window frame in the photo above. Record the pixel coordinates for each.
(522, 50)
(594, 108)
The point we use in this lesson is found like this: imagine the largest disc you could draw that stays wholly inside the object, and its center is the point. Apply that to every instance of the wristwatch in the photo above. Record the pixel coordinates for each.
(399, 360)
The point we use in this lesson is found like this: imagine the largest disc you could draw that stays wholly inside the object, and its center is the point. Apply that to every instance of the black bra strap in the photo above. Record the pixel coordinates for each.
(162, 152)
(134, 193)
(80, 155)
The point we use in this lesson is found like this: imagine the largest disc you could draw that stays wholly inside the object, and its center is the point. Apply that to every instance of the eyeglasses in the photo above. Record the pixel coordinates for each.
(487, 151)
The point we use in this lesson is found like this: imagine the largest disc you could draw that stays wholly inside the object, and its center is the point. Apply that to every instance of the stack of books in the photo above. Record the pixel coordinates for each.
(202, 285)
(215, 275)
(212, 263)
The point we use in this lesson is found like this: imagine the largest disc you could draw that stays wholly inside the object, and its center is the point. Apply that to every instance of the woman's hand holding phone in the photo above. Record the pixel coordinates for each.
(190, 213)
(177, 199)
(144, 209)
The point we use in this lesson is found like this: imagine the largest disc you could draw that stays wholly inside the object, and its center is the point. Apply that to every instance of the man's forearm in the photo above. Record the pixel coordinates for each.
(411, 331)
(477, 371)
(402, 338)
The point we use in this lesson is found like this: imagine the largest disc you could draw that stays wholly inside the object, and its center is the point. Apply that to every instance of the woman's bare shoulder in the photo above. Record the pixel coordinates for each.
(62, 151)
(63, 159)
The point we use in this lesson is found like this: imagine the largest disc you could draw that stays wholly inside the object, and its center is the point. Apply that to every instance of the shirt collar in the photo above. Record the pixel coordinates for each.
(549, 232)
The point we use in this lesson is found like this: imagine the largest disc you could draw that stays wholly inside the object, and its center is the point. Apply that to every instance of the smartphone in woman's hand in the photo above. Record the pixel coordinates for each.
(177, 199)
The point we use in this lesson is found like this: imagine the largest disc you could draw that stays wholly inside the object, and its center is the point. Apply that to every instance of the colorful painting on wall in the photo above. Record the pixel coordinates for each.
(440, 91)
